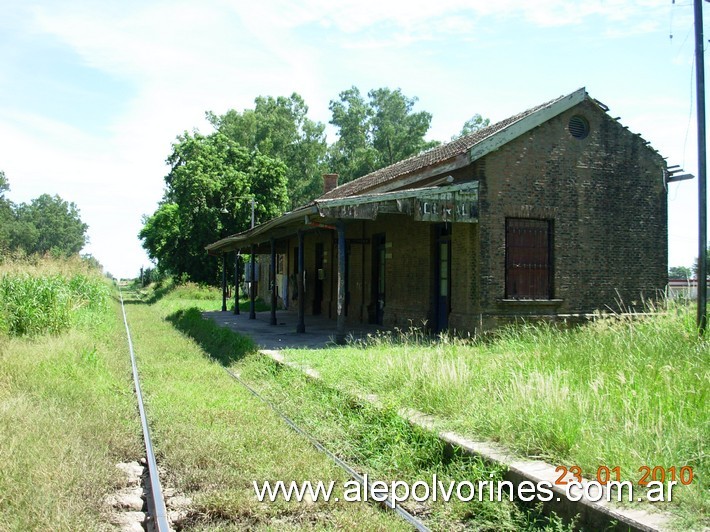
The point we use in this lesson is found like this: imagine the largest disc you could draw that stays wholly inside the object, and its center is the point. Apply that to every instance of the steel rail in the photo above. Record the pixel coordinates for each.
(160, 515)
(388, 503)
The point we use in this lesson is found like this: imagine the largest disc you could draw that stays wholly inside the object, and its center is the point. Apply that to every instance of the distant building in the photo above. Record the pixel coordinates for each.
(555, 212)
(682, 288)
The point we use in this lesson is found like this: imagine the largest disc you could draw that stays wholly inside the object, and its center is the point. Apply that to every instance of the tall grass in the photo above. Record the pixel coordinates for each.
(381, 443)
(67, 412)
(617, 392)
(36, 301)
(213, 438)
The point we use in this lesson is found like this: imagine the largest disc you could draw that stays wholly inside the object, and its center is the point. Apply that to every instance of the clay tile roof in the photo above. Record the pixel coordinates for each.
(430, 157)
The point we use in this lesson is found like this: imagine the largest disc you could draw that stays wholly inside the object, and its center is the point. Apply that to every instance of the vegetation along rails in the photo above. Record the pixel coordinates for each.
(214, 439)
(387, 503)
(156, 502)
(378, 443)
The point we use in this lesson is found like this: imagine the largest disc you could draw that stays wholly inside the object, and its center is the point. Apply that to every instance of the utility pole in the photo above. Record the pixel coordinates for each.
(702, 175)
(252, 295)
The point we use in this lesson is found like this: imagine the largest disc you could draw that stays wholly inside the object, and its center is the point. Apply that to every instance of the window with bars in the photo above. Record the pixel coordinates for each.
(528, 259)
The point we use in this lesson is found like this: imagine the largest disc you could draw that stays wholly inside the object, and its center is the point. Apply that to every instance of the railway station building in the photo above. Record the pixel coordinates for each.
(554, 213)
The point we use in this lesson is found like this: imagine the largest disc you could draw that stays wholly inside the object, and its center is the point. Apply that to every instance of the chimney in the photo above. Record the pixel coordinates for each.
(330, 181)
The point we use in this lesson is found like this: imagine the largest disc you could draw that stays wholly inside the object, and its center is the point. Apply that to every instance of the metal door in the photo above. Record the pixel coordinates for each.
(443, 276)
(379, 257)
(319, 274)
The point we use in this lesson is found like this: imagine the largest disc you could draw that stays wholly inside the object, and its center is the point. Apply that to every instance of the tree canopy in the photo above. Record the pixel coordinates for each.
(48, 224)
(56, 224)
(280, 129)
(679, 272)
(4, 185)
(276, 154)
(6, 213)
(473, 124)
(375, 133)
(207, 197)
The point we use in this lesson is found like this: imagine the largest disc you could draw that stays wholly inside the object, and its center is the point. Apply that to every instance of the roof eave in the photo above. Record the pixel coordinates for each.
(525, 124)
(260, 233)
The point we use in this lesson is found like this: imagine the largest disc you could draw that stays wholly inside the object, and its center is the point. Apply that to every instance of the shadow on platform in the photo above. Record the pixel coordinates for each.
(320, 331)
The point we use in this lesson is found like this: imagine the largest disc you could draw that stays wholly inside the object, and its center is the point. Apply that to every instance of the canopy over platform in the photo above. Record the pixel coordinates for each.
(449, 203)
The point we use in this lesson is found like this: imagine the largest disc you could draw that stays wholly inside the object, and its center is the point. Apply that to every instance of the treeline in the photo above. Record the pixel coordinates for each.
(275, 155)
(47, 224)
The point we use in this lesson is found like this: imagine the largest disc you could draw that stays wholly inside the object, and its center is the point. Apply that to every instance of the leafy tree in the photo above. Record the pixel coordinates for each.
(6, 214)
(696, 265)
(48, 224)
(398, 132)
(679, 272)
(4, 185)
(92, 262)
(279, 128)
(473, 124)
(207, 197)
(375, 133)
(353, 154)
(160, 235)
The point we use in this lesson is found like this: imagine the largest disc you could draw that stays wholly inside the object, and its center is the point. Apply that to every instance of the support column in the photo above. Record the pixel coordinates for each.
(702, 170)
(236, 281)
(301, 325)
(252, 292)
(273, 282)
(340, 330)
(224, 282)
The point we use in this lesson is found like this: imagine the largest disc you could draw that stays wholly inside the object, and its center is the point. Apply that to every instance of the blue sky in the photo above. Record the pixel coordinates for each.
(93, 93)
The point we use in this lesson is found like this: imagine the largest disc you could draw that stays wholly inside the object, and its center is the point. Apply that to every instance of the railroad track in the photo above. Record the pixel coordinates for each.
(389, 504)
(157, 514)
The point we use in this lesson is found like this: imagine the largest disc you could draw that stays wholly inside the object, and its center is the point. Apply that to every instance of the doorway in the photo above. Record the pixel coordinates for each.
(442, 272)
(319, 276)
(379, 256)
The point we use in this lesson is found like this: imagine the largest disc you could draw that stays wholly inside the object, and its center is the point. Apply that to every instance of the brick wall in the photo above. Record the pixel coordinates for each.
(606, 198)
(603, 194)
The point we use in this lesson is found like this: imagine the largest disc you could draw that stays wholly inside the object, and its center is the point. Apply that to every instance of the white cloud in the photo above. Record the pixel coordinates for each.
(182, 58)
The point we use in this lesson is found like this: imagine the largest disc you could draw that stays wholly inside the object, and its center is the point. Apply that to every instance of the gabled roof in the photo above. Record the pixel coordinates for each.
(477, 144)
(413, 173)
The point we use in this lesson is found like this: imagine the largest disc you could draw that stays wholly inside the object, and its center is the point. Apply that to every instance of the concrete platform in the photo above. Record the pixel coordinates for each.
(320, 331)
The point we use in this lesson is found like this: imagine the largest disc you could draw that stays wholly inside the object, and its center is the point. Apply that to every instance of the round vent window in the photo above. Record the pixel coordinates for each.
(578, 127)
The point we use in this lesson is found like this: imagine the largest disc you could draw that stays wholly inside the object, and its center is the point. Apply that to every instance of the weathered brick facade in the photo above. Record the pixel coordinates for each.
(604, 196)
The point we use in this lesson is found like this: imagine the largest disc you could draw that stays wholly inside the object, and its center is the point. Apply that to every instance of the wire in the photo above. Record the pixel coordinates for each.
(690, 110)
(389, 503)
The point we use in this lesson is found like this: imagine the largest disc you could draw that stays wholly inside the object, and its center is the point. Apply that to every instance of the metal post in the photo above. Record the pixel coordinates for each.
(702, 176)
(224, 282)
(236, 281)
(301, 325)
(253, 203)
(252, 292)
(340, 330)
(273, 282)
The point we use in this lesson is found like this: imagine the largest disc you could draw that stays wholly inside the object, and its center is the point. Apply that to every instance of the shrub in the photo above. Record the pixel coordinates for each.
(47, 303)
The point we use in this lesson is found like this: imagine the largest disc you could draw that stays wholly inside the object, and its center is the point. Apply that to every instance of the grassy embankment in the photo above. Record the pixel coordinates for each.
(614, 393)
(67, 414)
(212, 437)
(376, 442)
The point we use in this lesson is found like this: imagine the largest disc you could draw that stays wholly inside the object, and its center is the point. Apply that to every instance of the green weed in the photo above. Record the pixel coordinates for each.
(48, 303)
(617, 392)
(213, 438)
(67, 417)
(379, 442)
